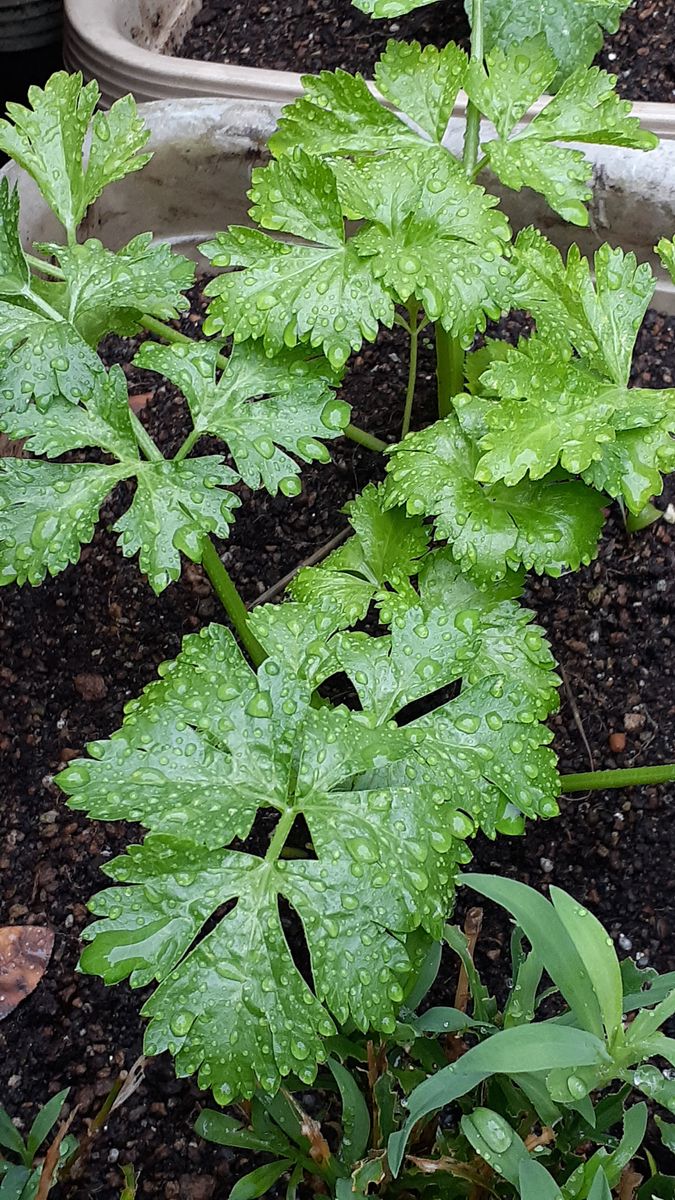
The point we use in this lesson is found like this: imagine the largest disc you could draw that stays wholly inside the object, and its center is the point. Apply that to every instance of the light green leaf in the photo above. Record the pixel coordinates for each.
(41, 360)
(355, 1118)
(633, 465)
(536, 1183)
(104, 422)
(176, 504)
(298, 408)
(298, 195)
(573, 30)
(614, 299)
(389, 8)
(545, 526)
(586, 109)
(48, 140)
(422, 83)
(431, 234)
(666, 252)
(322, 293)
(599, 956)
(108, 291)
(258, 1182)
(667, 1131)
(47, 511)
(204, 748)
(496, 1142)
(509, 1052)
(45, 1122)
(385, 549)
(338, 114)
(14, 272)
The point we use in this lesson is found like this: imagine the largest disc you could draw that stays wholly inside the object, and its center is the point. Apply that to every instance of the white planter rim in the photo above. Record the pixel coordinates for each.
(120, 43)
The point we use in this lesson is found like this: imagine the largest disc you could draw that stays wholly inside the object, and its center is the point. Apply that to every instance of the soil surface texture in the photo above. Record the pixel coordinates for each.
(315, 35)
(77, 648)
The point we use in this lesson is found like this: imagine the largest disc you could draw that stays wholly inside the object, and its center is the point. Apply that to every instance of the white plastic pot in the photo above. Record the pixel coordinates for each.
(128, 46)
(204, 151)
(29, 24)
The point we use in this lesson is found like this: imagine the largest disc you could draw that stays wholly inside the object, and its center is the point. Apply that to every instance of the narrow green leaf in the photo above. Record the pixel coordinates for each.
(496, 1142)
(45, 1122)
(10, 1137)
(550, 939)
(536, 1183)
(258, 1182)
(226, 1131)
(596, 949)
(14, 1181)
(355, 1115)
(667, 1131)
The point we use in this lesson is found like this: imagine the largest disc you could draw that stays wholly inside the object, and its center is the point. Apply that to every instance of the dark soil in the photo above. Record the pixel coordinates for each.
(315, 35)
(77, 648)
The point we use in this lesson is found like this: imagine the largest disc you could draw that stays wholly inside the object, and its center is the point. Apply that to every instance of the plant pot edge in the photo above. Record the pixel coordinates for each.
(99, 41)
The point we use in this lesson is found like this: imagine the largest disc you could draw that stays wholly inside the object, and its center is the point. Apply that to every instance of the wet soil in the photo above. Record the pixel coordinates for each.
(74, 650)
(315, 35)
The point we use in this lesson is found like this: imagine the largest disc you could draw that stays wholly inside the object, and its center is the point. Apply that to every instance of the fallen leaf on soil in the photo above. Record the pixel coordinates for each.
(25, 951)
(630, 1182)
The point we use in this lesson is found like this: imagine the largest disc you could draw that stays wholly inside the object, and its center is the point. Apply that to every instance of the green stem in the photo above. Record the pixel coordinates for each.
(284, 826)
(42, 305)
(413, 309)
(231, 601)
(472, 130)
(191, 439)
(449, 369)
(168, 334)
(595, 781)
(47, 268)
(147, 445)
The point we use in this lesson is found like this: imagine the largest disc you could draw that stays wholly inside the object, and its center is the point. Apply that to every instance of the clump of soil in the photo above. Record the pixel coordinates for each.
(77, 648)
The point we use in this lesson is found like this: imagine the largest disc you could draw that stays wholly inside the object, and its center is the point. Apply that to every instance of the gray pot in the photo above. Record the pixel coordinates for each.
(29, 24)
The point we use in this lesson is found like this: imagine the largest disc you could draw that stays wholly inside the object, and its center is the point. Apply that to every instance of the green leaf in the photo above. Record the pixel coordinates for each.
(175, 505)
(496, 1142)
(536, 1183)
(666, 252)
(522, 1001)
(109, 292)
(42, 359)
(204, 748)
(499, 638)
(509, 1052)
(422, 83)
(14, 272)
(573, 31)
(551, 941)
(324, 291)
(258, 1182)
(47, 511)
(104, 422)
(10, 1138)
(633, 465)
(338, 114)
(389, 8)
(385, 549)
(14, 1181)
(432, 234)
(355, 1120)
(217, 1127)
(298, 408)
(586, 109)
(545, 526)
(45, 1122)
(596, 949)
(48, 141)
(667, 1131)
(600, 1174)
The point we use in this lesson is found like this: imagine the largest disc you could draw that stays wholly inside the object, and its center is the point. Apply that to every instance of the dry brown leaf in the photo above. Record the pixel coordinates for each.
(630, 1182)
(473, 924)
(52, 1159)
(319, 1150)
(25, 951)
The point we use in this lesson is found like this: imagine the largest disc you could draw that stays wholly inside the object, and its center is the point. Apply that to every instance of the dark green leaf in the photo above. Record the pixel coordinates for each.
(14, 272)
(355, 1115)
(45, 1122)
(258, 1182)
(496, 1142)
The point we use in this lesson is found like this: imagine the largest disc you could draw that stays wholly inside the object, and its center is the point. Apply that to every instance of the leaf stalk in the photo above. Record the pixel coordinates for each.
(595, 781)
(231, 601)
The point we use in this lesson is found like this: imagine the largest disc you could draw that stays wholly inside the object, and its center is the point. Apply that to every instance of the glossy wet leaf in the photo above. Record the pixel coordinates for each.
(41, 359)
(323, 292)
(586, 109)
(14, 272)
(47, 511)
(509, 1052)
(175, 505)
(389, 8)
(106, 291)
(47, 139)
(204, 748)
(294, 405)
(385, 549)
(431, 234)
(599, 956)
(546, 526)
(496, 1142)
(573, 31)
(104, 421)
(338, 114)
